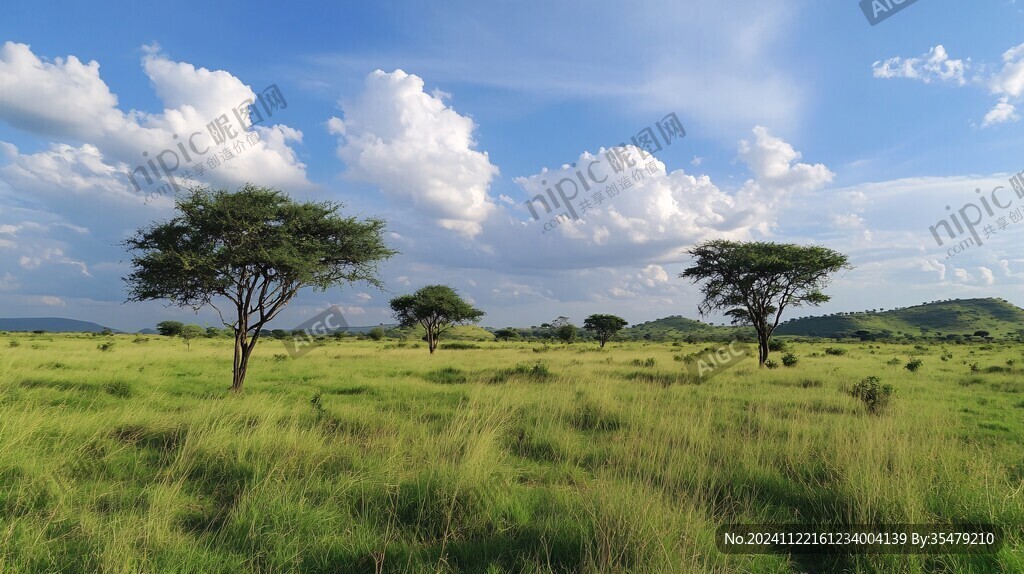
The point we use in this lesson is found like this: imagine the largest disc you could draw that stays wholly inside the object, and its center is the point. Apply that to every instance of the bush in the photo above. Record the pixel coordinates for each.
(446, 376)
(109, 345)
(913, 365)
(776, 345)
(376, 333)
(790, 360)
(13, 344)
(771, 364)
(457, 346)
(537, 372)
(121, 389)
(649, 362)
(873, 394)
(835, 351)
(893, 361)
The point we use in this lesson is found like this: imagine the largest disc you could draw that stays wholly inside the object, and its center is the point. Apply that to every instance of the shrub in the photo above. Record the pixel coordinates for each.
(649, 362)
(109, 345)
(893, 361)
(790, 360)
(835, 351)
(537, 372)
(975, 368)
(13, 344)
(457, 346)
(913, 365)
(376, 333)
(121, 389)
(447, 376)
(771, 364)
(873, 394)
(776, 345)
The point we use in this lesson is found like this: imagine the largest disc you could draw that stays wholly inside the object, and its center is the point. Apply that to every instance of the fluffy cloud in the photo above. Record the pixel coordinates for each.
(936, 65)
(67, 100)
(1010, 79)
(417, 150)
(1002, 112)
(1007, 82)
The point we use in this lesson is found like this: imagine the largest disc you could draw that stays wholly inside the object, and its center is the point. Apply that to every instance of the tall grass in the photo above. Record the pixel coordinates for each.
(137, 458)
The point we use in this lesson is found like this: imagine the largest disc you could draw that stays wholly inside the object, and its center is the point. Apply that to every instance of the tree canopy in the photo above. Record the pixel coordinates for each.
(436, 308)
(754, 282)
(251, 251)
(604, 326)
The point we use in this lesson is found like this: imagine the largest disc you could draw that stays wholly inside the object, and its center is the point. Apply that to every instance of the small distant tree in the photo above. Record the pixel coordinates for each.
(436, 308)
(604, 326)
(376, 333)
(754, 282)
(189, 332)
(981, 334)
(250, 251)
(506, 334)
(170, 328)
(566, 333)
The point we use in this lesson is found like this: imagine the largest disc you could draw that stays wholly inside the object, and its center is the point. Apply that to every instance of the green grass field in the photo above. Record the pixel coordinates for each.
(364, 457)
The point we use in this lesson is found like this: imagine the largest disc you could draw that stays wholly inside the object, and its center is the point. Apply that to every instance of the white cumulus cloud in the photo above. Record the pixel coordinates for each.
(417, 150)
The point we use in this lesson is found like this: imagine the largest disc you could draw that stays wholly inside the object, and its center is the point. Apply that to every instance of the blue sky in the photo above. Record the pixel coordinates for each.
(803, 124)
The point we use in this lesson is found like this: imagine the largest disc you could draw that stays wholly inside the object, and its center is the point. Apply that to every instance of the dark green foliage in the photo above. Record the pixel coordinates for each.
(170, 328)
(506, 334)
(755, 282)
(255, 248)
(875, 395)
(604, 326)
(437, 308)
(835, 351)
(790, 360)
(913, 365)
(447, 376)
(537, 372)
(376, 333)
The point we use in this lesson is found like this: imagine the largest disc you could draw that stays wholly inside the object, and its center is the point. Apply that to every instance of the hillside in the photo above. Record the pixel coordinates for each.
(50, 325)
(937, 319)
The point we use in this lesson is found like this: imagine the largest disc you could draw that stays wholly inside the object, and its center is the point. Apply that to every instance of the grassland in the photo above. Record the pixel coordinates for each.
(364, 457)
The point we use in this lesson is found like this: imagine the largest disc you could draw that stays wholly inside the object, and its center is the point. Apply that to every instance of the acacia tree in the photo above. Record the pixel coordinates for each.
(506, 334)
(604, 326)
(189, 332)
(436, 308)
(754, 282)
(250, 251)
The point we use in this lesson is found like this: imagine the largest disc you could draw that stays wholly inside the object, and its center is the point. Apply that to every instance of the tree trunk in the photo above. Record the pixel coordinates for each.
(602, 342)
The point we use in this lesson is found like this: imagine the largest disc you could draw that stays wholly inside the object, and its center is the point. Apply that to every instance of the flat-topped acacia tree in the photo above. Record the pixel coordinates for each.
(250, 251)
(754, 282)
(436, 308)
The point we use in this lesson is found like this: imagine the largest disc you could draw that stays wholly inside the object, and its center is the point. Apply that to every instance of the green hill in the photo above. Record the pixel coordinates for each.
(676, 328)
(937, 319)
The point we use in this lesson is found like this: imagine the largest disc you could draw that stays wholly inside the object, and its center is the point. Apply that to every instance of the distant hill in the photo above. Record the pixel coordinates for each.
(678, 327)
(941, 318)
(51, 325)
